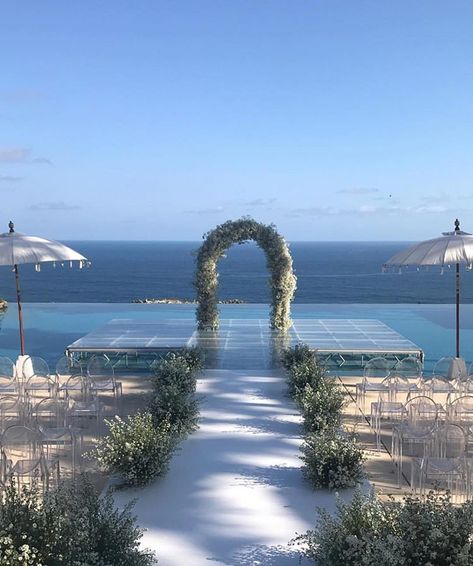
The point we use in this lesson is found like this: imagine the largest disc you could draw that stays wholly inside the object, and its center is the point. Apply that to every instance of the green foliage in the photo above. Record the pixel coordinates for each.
(303, 368)
(176, 371)
(174, 387)
(415, 532)
(331, 460)
(140, 447)
(300, 354)
(180, 411)
(135, 448)
(73, 525)
(321, 406)
(278, 259)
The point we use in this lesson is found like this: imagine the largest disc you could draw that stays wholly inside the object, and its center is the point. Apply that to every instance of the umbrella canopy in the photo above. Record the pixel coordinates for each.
(16, 249)
(452, 248)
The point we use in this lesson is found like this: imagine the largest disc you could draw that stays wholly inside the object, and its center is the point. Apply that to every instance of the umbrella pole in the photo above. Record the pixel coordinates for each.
(20, 314)
(457, 309)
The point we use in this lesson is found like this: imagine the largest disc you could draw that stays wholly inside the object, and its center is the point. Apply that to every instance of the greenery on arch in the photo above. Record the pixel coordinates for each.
(278, 260)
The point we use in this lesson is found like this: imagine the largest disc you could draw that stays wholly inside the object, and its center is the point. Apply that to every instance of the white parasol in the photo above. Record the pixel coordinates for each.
(16, 248)
(452, 248)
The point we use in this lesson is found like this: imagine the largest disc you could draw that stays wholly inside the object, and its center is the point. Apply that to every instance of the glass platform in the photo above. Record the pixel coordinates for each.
(245, 343)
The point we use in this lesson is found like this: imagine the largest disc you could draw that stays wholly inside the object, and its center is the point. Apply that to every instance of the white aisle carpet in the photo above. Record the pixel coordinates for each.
(234, 494)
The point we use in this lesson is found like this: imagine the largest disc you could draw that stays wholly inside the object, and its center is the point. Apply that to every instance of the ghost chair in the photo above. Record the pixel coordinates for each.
(50, 418)
(415, 430)
(374, 372)
(444, 462)
(23, 458)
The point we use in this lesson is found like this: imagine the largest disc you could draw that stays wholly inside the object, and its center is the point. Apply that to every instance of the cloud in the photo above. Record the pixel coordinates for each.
(9, 179)
(214, 210)
(315, 211)
(260, 202)
(20, 155)
(371, 210)
(55, 205)
(358, 191)
(435, 198)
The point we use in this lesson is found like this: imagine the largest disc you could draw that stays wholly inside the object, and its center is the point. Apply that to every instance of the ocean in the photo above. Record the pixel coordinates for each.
(327, 272)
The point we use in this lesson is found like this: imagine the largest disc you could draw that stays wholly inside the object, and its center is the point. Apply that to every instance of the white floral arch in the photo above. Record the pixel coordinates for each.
(278, 260)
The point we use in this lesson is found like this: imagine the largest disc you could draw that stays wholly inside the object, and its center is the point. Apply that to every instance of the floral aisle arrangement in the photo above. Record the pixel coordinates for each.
(371, 532)
(279, 262)
(140, 447)
(73, 524)
(331, 457)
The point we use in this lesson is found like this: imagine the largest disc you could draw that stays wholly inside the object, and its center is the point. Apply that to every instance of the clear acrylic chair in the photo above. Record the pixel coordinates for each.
(102, 375)
(410, 368)
(12, 412)
(34, 365)
(459, 411)
(65, 368)
(386, 411)
(39, 386)
(415, 430)
(9, 384)
(442, 367)
(401, 387)
(23, 457)
(84, 409)
(440, 389)
(374, 372)
(75, 386)
(445, 461)
(50, 417)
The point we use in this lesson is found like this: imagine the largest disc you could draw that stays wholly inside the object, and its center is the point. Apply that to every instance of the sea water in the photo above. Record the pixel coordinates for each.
(327, 272)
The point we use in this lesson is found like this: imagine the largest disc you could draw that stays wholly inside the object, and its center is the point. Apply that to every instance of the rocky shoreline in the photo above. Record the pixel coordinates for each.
(3, 305)
(171, 301)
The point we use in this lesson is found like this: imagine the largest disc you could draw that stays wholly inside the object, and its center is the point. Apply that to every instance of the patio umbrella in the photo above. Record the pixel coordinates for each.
(16, 248)
(452, 248)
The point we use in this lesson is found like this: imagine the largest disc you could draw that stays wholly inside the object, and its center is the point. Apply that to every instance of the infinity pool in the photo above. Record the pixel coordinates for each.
(51, 327)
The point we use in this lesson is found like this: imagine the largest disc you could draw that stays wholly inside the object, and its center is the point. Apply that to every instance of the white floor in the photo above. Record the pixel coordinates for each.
(234, 495)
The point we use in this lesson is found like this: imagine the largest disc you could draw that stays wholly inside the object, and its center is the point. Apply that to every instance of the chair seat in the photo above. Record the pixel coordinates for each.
(387, 407)
(55, 434)
(435, 466)
(23, 467)
(410, 433)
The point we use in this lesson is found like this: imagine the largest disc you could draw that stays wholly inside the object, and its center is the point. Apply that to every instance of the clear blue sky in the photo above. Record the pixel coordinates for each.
(335, 119)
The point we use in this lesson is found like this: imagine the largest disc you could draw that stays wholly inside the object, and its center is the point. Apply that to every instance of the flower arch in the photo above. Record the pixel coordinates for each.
(278, 261)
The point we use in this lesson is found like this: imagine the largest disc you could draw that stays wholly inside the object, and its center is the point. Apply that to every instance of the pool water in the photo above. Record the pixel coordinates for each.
(51, 327)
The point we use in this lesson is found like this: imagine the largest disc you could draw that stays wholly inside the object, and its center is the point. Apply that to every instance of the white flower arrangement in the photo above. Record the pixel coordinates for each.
(279, 262)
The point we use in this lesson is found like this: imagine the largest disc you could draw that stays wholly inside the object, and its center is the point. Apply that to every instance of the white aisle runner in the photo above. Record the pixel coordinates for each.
(234, 494)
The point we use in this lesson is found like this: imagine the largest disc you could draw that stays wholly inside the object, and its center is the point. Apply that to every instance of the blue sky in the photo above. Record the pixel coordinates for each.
(335, 119)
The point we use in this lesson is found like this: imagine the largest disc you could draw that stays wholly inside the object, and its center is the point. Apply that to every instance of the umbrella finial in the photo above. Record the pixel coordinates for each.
(457, 225)
(11, 226)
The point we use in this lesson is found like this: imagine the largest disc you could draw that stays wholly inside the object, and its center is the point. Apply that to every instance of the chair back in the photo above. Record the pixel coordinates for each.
(74, 388)
(21, 443)
(7, 367)
(376, 367)
(410, 368)
(449, 441)
(34, 365)
(460, 411)
(12, 412)
(422, 415)
(65, 368)
(50, 413)
(442, 367)
(100, 370)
